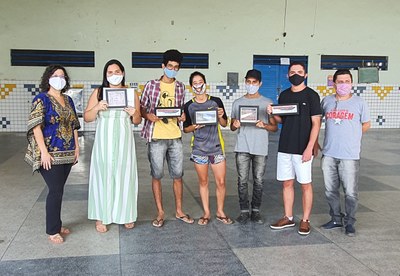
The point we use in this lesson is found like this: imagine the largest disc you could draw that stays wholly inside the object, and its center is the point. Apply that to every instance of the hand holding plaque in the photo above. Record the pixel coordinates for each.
(285, 109)
(248, 114)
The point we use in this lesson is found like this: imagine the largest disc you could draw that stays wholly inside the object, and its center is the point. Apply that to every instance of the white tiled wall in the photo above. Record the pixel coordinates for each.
(16, 98)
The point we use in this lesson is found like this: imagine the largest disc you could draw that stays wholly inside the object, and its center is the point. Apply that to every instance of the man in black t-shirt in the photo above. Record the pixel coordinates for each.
(298, 138)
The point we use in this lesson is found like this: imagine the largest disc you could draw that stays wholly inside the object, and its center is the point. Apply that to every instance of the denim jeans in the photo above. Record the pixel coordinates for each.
(258, 163)
(170, 149)
(343, 171)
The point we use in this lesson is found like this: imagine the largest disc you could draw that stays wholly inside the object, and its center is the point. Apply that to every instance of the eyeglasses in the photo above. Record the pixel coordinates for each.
(171, 67)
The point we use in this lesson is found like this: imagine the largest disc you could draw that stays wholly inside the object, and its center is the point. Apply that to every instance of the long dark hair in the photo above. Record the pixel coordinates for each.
(48, 72)
(105, 82)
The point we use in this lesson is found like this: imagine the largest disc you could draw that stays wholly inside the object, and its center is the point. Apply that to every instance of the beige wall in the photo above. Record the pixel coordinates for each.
(230, 31)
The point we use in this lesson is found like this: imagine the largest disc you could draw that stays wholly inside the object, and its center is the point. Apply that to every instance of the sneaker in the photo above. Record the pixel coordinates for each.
(350, 231)
(243, 218)
(282, 223)
(331, 225)
(256, 217)
(304, 227)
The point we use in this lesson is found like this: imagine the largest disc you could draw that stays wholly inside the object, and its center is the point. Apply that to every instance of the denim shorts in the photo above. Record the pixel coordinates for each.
(165, 149)
(207, 159)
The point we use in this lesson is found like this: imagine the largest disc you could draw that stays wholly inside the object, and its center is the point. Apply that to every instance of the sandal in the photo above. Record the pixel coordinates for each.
(158, 223)
(225, 220)
(64, 231)
(129, 225)
(56, 238)
(186, 218)
(100, 227)
(203, 221)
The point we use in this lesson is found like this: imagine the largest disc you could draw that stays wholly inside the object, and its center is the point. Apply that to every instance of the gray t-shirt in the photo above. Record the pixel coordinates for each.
(249, 138)
(343, 126)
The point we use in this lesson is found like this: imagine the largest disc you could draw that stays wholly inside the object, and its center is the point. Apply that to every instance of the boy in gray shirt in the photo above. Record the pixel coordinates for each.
(251, 146)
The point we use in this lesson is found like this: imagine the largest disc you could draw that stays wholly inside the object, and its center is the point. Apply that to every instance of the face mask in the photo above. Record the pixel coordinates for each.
(57, 83)
(115, 79)
(252, 89)
(343, 89)
(199, 88)
(296, 79)
(170, 73)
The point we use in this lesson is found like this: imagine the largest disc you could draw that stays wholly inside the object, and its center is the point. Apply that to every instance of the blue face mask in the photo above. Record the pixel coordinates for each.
(170, 73)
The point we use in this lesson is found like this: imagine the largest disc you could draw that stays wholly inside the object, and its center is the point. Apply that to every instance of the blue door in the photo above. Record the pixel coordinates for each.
(274, 80)
(274, 74)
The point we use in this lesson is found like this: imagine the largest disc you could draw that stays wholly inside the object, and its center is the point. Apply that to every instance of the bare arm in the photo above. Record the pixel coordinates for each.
(366, 126)
(315, 126)
(235, 124)
(45, 156)
(93, 107)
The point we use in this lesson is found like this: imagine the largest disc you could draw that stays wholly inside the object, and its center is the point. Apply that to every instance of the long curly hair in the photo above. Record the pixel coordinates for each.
(105, 82)
(48, 72)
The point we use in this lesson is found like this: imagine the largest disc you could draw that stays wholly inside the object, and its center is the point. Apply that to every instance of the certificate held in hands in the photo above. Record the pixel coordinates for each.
(285, 109)
(119, 97)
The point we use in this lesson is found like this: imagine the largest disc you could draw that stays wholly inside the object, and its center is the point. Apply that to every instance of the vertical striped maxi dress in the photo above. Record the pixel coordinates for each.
(113, 180)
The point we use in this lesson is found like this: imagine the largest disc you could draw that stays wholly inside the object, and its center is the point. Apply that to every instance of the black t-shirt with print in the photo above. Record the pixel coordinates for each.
(295, 132)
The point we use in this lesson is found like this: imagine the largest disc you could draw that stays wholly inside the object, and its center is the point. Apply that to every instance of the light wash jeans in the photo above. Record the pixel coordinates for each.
(258, 163)
(169, 149)
(345, 172)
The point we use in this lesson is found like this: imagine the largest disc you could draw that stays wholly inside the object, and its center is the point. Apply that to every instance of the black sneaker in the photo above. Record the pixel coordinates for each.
(243, 218)
(331, 225)
(350, 231)
(256, 217)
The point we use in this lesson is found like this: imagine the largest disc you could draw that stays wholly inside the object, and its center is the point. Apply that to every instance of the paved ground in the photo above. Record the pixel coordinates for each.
(217, 249)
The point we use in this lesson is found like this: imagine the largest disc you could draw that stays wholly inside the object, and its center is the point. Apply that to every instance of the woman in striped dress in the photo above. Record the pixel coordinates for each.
(113, 181)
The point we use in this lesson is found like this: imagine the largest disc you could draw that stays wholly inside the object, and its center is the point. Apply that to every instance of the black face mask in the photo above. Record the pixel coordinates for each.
(296, 79)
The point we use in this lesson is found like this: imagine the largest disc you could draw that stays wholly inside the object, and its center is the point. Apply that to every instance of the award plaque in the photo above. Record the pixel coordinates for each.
(168, 112)
(248, 114)
(119, 97)
(115, 97)
(285, 109)
(206, 117)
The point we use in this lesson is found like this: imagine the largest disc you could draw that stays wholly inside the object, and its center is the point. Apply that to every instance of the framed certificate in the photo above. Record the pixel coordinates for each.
(248, 114)
(119, 97)
(285, 109)
(206, 117)
(168, 112)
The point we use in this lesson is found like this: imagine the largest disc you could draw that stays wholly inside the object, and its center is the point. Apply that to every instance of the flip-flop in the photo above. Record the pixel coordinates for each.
(64, 231)
(56, 239)
(203, 221)
(100, 227)
(129, 225)
(225, 220)
(158, 223)
(186, 218)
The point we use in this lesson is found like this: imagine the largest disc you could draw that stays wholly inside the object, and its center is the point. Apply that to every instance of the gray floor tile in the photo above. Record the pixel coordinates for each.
(210, 262)
(254, 235)
(383, 257)
(321, 259)
(174, 236)
(88, 265)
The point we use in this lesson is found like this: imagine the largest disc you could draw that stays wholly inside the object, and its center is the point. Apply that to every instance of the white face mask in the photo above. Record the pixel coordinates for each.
(57, 83)
(252, 89)
(115, 79)
(199, 88)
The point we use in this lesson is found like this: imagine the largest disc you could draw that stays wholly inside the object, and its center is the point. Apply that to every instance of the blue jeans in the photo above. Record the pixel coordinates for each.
(258, 163)
(170, 149)
(343, 171)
